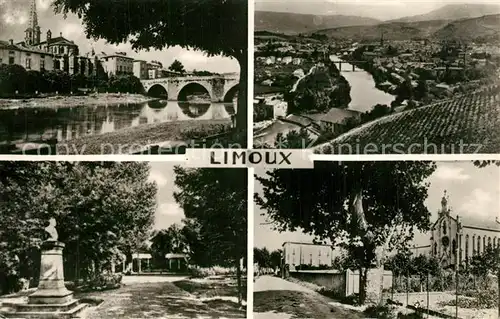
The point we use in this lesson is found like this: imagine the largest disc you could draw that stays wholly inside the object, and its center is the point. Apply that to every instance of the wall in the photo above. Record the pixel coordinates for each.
(342, 283)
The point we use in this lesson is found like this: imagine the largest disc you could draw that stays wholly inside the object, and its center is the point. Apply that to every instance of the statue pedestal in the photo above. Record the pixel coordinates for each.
(51, 289)
(51, 300)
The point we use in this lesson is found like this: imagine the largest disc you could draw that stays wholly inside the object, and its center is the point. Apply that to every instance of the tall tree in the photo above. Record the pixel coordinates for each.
(177, 66)
(165, 241)
(217, 200)
(367, 207)
(217, 27)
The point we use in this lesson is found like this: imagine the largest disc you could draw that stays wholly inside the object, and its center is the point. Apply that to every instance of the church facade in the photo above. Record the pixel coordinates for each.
(456, 239)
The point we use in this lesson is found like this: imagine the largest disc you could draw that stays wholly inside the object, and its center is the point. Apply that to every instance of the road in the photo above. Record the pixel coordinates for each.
(127, 280)
(276, 298)
(268, 283)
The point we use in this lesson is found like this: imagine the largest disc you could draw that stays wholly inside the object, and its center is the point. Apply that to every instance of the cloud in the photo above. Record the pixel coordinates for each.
(478, 202)
(170, 209)
(451, 173)
(158, 178)
(43, 4)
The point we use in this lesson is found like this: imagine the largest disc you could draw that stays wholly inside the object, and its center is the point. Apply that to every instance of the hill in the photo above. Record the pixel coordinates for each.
(483, 28)
(465, 124)
(454, 12)
(392, 31)
(293, 23)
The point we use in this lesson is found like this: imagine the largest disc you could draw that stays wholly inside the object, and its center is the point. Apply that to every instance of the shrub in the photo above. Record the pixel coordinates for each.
(486, 299)
(381, 312)
(201, 272)
(103, 281)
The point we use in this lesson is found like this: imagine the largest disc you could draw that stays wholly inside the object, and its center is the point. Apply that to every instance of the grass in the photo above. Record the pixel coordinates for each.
(466, 124)
(158, 300)
(300, 305)
(134, 139)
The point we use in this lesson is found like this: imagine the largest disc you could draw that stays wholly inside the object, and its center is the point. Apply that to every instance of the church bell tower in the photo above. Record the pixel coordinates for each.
(32, 33)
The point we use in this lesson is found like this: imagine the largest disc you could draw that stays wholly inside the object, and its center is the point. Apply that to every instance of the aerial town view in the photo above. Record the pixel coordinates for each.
(70, 84)
(396, 240)
(377, 78)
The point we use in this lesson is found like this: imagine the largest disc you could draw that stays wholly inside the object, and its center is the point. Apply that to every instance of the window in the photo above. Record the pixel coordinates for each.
(478, 245)
(11, 60)
(466, 247)
(42, 64)
(435, 249)
(444, 227)
(489, 242)
(28, 63)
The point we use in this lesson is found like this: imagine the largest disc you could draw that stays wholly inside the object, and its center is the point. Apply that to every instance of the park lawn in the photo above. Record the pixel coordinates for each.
(135, 139)
(300, 304)
(158, 300)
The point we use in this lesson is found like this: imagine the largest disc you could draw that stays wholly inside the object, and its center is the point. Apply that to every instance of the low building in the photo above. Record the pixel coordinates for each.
(30, 58)
(118, 64)
(333, 120)
(296, 254)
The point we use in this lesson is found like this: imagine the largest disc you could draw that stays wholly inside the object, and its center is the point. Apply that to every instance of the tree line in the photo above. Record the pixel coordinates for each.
(15, 80)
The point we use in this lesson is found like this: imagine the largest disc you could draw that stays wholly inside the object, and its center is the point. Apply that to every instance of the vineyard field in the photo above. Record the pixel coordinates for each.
(462, 125)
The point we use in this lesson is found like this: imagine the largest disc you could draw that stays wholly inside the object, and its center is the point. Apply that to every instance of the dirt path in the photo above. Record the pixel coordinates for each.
(275, 298)
(160, 300)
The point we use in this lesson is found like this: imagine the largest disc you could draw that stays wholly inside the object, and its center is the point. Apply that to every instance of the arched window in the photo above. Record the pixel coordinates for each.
(489, 242)
(479, 245)
(454, 246)
(484, 243)
(444, 227)
(435, 249)
(494, 242)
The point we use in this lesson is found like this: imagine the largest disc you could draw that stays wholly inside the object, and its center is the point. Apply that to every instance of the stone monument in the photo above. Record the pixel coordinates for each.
(51, 299)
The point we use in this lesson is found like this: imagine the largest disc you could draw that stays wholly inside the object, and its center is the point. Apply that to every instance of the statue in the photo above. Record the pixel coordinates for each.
(51, 229)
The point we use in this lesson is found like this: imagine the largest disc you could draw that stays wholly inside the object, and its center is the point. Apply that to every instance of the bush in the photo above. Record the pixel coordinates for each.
(103, 282)
(486, 299)
(382, 312)
(201, 272)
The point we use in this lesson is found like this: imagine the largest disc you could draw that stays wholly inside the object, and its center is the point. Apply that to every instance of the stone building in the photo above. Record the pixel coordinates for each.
(118, 64)
(29, 58)
(457, 239)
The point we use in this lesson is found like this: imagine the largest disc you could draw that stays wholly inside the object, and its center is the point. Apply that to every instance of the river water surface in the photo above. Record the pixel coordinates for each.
(364, 94)
(35, 125)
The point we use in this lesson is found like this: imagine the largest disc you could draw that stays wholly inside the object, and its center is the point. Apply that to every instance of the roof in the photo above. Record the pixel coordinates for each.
(172, 256)
(308, 244)
(20, 47)
(58, 39)
(479, 222)
(467, 124)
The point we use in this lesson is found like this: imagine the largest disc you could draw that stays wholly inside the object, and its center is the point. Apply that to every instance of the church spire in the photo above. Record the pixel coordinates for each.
(444, 204)
(33, 16)
(33, 31)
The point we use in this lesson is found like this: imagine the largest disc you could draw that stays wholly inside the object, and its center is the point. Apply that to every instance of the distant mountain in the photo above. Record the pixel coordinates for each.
(293, 23)
(485, 28)
(454, 12)
(391, 31)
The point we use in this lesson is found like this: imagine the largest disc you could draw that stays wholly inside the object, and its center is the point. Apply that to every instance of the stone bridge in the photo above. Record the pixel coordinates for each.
(221, 88)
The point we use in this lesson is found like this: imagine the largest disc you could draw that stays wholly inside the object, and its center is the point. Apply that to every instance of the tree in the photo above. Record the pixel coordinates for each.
(177, 66)
(262, 257)
(367, 208)
(216, 199)
(293, 140)
(275, 258)
(165, 241)
(103, 210)
(215, 27)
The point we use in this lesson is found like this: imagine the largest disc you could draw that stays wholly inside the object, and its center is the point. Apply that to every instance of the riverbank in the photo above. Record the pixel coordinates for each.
(137, 139)
(60, 101)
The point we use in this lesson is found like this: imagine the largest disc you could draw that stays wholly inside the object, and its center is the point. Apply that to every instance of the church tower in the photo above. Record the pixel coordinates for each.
(32, 33)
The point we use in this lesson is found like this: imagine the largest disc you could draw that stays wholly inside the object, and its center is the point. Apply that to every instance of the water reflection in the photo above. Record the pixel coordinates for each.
(39, 124)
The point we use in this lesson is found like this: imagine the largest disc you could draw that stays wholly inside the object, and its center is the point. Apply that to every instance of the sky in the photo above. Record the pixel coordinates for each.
(168, 212)
(14, 19)
(472, 192)
(377, 9)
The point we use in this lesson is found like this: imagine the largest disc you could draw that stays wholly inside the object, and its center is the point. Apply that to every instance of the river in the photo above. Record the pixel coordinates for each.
(364, 94)
(34, 125)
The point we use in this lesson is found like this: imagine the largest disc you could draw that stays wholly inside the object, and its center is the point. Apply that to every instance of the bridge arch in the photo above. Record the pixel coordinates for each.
(231, 93)
(158, 90)
(192, 87)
